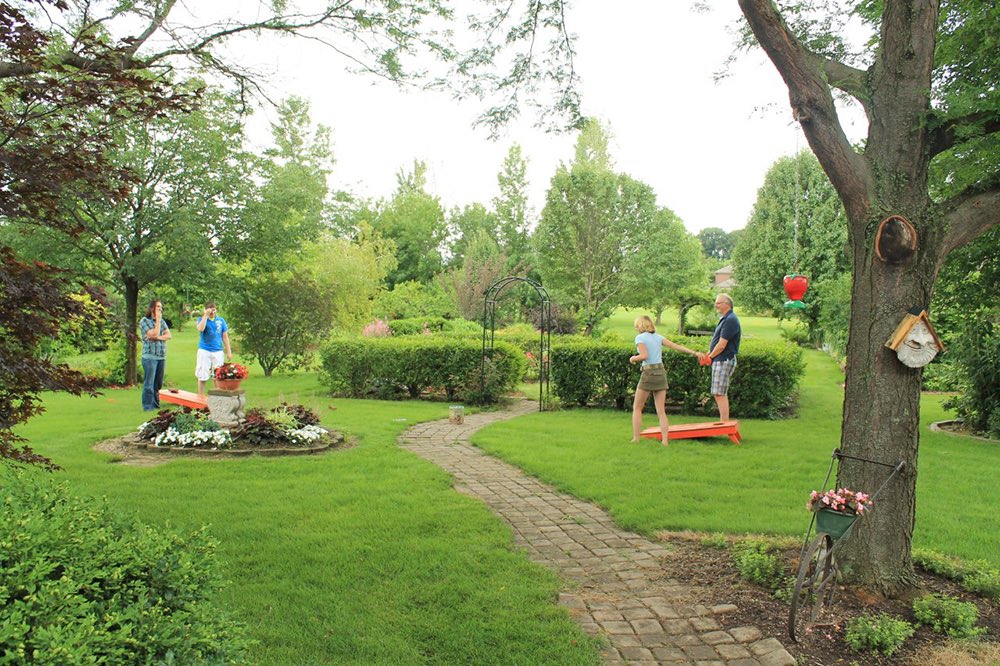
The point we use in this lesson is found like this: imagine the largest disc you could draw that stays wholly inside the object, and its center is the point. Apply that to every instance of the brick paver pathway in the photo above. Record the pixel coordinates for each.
(618, 589)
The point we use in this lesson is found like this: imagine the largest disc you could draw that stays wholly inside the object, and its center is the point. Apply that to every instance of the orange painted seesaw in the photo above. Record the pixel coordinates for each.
(729, 429)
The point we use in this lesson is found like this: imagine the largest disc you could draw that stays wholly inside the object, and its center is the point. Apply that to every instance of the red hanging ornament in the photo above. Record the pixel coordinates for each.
(795, 288)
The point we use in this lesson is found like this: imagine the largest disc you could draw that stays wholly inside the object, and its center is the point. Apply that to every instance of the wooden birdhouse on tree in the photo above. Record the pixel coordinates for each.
(914, 340)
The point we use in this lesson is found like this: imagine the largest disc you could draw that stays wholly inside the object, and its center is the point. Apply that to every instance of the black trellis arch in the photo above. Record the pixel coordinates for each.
(544, 339)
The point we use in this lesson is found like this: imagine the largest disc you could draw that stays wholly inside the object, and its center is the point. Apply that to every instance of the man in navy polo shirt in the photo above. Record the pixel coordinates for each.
(214, 337)
(722, 352)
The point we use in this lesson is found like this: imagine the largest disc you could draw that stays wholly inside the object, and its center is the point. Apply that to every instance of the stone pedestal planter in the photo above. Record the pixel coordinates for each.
(226, 407)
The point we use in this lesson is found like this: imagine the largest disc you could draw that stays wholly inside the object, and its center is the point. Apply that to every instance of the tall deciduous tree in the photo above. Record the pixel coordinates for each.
(591, 224)
(466, 223)
(667, 263)
(769, 246)
(716, 242)
(930, 86)
(290, 207)
(190, 176)
(513, 210)
(414, 220)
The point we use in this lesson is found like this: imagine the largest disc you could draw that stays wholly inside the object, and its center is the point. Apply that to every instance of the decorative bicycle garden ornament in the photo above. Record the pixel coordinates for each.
(545, 332)
(914, 340)
(895, 240)
(835, 513)
(795, 284)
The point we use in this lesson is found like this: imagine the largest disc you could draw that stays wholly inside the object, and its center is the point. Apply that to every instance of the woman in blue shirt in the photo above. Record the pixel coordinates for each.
(649, 348)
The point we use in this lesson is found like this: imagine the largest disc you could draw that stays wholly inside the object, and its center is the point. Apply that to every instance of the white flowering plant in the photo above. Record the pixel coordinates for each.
(185, 429)
(197, 439)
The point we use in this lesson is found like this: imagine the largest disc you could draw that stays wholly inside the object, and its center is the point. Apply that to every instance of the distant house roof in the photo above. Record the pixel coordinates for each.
(723, 277)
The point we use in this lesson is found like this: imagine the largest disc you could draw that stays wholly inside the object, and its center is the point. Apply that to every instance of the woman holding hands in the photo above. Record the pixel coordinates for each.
(649, 351)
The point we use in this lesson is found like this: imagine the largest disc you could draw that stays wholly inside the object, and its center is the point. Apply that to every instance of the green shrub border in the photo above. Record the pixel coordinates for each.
(410, 365)
(598, 372)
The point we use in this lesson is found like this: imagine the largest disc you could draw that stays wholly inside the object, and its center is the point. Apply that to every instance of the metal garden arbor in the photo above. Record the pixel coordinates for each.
(545, 332)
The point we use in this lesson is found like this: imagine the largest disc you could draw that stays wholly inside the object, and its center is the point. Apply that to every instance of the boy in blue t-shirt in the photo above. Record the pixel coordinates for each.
(214, 337)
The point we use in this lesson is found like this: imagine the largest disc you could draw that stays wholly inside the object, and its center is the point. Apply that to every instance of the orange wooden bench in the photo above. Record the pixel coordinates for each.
(729, 429)
(184, 398)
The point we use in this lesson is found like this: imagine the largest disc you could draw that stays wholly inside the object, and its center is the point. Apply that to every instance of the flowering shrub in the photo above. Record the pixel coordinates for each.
(842, 500)
(230, 371)
(377, 329)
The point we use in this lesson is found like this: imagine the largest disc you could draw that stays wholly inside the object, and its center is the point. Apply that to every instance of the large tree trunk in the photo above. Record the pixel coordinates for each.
(881, 416)
(131, 326)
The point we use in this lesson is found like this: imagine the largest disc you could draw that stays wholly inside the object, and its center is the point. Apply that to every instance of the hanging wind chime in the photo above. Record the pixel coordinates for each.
(795, 284)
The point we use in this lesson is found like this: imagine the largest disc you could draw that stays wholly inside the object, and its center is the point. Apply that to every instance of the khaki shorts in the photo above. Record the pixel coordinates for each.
(654, 378)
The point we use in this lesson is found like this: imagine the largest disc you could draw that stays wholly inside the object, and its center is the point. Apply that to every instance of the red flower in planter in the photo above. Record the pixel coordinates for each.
(231, 371)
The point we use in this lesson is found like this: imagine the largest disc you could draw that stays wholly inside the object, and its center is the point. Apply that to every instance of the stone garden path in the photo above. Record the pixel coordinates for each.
(618, 589)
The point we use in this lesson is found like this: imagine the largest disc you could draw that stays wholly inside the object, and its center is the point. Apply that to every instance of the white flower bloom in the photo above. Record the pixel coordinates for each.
(218, 439)
(305, 435)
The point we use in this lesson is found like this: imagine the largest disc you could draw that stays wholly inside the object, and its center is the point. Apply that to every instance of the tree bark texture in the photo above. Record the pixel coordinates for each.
(131, 326)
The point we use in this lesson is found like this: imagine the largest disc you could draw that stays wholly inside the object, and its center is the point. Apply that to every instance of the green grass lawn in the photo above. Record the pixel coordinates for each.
(758, 487)
(362, 556)
(369, 556)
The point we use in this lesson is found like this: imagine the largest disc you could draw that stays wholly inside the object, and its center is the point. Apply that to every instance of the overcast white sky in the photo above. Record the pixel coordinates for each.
(647, 71)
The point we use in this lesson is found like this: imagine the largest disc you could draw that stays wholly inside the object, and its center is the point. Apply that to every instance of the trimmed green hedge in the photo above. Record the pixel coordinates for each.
(598, 372)
(80, 584)
(392, 367)
(431, 325)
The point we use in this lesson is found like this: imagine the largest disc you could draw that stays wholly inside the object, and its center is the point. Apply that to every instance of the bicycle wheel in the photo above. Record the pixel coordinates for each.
(814, 586)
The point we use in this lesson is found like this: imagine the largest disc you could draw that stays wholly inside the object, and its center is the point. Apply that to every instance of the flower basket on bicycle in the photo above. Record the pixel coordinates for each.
(835, 512)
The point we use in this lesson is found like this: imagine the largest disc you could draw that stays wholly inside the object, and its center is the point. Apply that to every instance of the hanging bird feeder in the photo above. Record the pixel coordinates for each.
(795, 289)
(795, 284)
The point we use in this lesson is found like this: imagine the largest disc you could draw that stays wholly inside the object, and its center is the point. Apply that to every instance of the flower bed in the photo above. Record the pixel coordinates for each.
(284, 427)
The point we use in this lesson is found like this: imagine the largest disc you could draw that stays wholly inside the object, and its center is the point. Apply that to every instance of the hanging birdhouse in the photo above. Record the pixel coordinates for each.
(914, 340)
(795, 288)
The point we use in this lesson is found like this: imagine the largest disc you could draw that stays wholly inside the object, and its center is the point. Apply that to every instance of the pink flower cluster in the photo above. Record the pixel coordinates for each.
(377, 329)
(842, 500)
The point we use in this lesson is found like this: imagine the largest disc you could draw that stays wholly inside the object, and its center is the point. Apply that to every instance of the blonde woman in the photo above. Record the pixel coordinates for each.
(649, 351)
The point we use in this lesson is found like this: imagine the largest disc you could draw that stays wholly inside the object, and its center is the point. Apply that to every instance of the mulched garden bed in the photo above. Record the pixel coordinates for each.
(712, 570)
